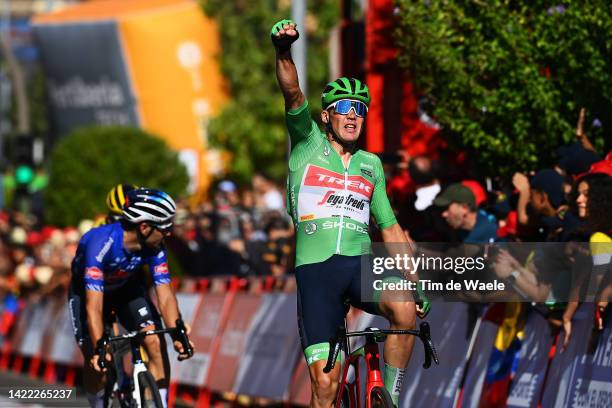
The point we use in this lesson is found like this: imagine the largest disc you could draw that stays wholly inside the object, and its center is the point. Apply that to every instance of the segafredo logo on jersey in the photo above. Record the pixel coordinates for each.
(333, 198)
(320, 177)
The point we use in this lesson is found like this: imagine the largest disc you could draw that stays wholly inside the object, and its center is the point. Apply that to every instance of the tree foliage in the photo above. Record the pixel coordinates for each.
(507, 79)
(86, 164)
(252, 126)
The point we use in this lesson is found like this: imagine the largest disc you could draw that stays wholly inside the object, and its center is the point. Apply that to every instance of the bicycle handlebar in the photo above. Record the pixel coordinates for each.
(424, 334)
(178, 333)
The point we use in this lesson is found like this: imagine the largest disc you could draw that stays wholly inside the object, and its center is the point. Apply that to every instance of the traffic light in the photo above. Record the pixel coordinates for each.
(22, 155)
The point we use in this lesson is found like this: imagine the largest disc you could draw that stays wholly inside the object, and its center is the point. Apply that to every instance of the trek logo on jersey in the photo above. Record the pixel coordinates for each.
(333, 199)
(94, 273)
(161, 269)
(320, 177)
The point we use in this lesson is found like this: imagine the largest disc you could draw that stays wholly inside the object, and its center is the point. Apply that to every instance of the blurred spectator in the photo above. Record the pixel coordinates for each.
(274, 255)
(267, 194)
(416, 213)
(461, 214)
(575, 159)
(546, 197)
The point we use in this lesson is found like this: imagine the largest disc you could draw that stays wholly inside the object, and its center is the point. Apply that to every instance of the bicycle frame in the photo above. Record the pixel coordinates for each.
(370, 353)
(135, 338)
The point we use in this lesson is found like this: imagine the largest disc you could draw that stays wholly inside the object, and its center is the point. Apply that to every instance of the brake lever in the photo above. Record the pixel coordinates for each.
(430, 350)
(335, 344)
(101, 346)
(183, 338)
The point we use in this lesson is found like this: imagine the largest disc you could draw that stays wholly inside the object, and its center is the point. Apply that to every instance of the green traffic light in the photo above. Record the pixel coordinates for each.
(24, 174)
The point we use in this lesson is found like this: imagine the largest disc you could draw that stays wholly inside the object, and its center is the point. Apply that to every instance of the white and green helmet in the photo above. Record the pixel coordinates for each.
(345, 88)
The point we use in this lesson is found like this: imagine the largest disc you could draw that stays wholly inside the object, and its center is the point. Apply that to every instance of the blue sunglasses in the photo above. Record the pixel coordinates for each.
(344, 106)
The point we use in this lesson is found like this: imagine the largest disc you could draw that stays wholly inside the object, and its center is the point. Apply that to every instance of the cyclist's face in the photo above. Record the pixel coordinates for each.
(155, 236)
(347, 127)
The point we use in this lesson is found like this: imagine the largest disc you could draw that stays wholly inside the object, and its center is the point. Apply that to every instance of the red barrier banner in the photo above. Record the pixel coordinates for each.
(37, 318)
(205, 327)
(188, 305)
(61, 346)
(273, 346)
(224, 365)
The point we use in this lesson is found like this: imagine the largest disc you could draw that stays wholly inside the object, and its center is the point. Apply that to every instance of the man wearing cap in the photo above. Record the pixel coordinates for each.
(462, 214)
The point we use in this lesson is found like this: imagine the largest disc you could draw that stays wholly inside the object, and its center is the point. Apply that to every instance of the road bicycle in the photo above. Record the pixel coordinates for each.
(376, 395)
(141, 389)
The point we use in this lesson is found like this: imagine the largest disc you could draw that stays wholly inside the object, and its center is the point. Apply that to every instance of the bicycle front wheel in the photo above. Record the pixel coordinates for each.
(149, 393)
(380, 398)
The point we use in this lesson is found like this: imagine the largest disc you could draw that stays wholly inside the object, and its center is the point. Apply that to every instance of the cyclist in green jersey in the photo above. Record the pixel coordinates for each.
(332, 189)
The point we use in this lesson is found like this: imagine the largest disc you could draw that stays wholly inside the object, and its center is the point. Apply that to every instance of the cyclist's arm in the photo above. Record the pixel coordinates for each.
(287, 77)
(94, 301)
(396, 241)
(168, 305)
(93, 276)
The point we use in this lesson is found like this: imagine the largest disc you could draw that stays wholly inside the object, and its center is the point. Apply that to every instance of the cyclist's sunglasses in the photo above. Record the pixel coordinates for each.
(164, 229)
(344, 106)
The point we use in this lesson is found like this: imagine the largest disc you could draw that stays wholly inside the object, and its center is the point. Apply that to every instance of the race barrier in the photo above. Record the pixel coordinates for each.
(248, 349)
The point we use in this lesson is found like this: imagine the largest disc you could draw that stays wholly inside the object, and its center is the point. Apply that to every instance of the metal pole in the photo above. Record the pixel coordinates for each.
(298, 50)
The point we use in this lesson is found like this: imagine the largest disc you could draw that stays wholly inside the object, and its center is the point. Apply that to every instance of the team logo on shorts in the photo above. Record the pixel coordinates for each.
(310, 228)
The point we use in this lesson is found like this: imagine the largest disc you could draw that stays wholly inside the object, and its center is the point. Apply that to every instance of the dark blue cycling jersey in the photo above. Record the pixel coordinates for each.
(103, 264)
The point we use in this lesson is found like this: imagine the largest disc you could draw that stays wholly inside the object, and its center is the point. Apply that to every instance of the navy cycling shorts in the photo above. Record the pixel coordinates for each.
(131, 303)
(323, 288)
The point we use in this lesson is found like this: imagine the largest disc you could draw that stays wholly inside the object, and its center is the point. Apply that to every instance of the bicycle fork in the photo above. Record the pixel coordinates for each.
(139, 367)
(372, 360)
(374, 378)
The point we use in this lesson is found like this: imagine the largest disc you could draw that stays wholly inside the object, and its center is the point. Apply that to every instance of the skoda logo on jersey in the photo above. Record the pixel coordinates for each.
(310, 228)
(326, 150)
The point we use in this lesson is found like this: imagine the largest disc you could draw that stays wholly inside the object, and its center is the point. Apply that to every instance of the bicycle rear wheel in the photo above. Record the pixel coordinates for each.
(380, 398)
(149, 393)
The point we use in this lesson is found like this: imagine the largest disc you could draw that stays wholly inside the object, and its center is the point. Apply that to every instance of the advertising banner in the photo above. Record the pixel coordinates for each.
(479, 360)
(526, 388)
(273, 346)
(436, 386)
(188, 305)
(581, 376)
(233, 342)
(62, 347)
(204, 320)
(38, 318)
(145, 63)
(87, 79)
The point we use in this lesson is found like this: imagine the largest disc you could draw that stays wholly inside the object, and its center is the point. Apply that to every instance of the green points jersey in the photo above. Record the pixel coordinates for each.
(331, 204)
